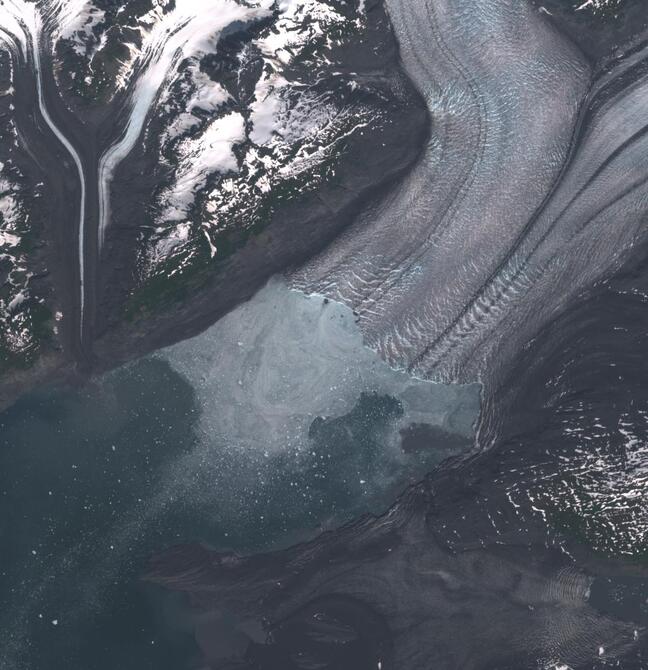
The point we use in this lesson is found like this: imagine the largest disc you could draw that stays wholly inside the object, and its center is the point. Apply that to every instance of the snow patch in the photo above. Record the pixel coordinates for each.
(176, 35)
(76, 22)
(209, 152)
(208, 96)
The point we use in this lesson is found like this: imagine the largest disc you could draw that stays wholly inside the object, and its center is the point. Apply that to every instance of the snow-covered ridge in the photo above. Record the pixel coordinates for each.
(27, 21)
(183, 32)
(20, 24)
(270, 116)
(597, 5)
(286, 131)
(76, 20)
(17, 299)
(209, 152)
(205, 95)
(224, 151)
(16, 335)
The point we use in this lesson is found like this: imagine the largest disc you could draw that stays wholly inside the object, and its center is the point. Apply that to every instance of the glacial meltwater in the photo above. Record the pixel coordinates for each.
(271, 426)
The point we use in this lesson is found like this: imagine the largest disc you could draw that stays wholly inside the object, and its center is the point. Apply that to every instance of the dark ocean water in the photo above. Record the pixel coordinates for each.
(96, 480)
(537, 545)
(76, 465)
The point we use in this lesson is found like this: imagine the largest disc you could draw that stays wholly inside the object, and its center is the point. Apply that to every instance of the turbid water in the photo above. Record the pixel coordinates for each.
(275, 423)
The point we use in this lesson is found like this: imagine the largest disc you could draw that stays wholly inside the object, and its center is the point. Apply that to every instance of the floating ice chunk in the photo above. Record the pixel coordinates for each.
(283, 358)
(17, 300)
(594, 5)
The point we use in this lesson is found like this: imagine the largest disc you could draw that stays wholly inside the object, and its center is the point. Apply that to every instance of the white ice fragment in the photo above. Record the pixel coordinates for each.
(17, 300)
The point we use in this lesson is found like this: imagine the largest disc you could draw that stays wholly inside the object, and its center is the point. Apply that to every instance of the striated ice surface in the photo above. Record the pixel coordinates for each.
(423, 268)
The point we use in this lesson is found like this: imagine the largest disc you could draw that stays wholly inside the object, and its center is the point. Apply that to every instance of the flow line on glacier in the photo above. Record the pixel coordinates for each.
(19, 17)
(77, 161)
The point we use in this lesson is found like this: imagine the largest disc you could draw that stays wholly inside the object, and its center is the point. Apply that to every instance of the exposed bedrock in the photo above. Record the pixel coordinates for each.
(529, 190)
(597, 26)
(532, 191)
